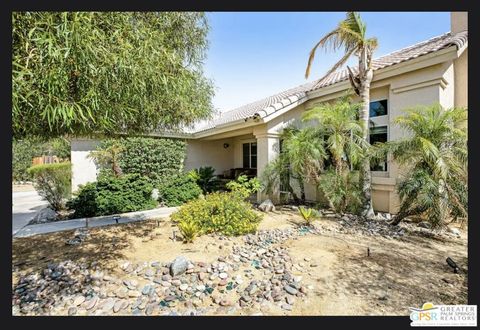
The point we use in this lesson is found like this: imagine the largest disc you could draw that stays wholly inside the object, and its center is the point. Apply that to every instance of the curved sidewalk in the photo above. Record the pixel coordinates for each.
(106, 220)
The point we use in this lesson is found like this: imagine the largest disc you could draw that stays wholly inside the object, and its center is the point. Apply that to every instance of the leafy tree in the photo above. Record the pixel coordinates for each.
(350, 35)
(82, 73)
(435, 155)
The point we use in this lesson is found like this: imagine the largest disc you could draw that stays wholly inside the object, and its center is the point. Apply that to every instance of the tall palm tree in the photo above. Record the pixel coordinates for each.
(342, 136)
(435, 155)
(301, 158)
(350, 35)
(342, 132)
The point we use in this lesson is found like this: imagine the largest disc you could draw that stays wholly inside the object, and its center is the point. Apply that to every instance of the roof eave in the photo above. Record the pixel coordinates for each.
(419, 62)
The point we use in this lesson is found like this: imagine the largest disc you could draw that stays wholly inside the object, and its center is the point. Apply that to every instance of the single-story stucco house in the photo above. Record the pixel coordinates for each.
(432, 71)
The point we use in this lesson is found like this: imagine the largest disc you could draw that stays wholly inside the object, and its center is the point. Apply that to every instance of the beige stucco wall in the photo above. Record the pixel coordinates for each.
(83, 168)
(424, 86)
(210, 153)
(461, 80)
(458, 21)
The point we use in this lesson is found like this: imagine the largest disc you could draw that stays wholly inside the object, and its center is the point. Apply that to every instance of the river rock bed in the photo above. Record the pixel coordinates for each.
(258, 275)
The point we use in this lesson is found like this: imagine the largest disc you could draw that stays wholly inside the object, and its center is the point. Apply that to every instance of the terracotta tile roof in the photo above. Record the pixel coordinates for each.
(271, 104)
(422, 48)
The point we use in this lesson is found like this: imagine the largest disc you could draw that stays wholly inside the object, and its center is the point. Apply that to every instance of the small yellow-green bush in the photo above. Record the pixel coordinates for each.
(219, 212)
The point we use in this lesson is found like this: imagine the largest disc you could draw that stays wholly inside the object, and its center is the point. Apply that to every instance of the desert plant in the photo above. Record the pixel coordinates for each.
(434, 184)
(112, 195)
(350, 35)
(189, 230)
(178, 191)
(205, 178)
(107, 157)
(276, 174)
(308, 214)
(52, 182)
(219, 212)
(244, 187)
(342, 190)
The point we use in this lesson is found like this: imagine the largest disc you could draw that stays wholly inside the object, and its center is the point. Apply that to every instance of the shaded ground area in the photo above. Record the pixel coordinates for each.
(333, 263)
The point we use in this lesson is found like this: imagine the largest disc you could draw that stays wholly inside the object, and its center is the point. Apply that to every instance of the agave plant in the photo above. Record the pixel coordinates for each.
(435, 183)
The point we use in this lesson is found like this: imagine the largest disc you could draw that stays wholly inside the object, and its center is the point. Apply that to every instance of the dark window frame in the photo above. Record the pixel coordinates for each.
(378, 167)
(250, 155)
(385, 105)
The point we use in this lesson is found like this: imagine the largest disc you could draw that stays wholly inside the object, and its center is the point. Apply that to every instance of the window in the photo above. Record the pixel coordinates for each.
(378, 108)
(379, 134)
(250, 155)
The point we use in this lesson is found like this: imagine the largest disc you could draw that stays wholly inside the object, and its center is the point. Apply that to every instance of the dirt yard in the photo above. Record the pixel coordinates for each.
(342, 279)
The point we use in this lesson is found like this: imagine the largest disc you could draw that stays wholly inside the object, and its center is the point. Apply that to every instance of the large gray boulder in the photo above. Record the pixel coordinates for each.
(178, 266)
(266, 206)
(45, 215)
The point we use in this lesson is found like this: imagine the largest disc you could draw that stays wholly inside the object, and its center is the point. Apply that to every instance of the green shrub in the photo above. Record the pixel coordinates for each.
(180, 190)
(52, 182)
(244, 187)
(112, 195)
(219, 212)
(205, 178)
(24, 150)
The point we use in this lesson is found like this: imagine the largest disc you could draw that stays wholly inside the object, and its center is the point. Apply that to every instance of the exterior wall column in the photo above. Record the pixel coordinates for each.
(83, 167)
(267, 150)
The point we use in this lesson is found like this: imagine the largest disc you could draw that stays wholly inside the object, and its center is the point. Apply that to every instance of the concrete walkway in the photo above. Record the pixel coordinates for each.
(26, 205)
(51, 227)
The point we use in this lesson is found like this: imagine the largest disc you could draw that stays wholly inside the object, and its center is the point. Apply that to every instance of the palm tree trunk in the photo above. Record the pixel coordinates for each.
(366, 75)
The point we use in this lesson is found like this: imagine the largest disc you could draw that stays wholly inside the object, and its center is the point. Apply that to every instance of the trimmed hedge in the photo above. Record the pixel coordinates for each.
(113, 195)
(157, 159)
(24, 150)
(52, 182)
(180, 190)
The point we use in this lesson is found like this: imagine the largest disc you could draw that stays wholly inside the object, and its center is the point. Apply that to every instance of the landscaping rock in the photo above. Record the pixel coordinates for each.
(178, 266)
(266, 206)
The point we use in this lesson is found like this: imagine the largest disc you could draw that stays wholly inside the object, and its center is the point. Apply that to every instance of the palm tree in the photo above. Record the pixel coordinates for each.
(108, 156)
(350, 35)
(305, 153)
(435, 154)
(301, 158)
(342, 132)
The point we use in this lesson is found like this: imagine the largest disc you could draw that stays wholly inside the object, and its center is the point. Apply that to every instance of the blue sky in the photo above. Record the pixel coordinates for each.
(253, 55)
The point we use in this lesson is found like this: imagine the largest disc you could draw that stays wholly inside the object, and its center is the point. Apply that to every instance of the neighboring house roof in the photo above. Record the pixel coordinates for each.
(271, 104)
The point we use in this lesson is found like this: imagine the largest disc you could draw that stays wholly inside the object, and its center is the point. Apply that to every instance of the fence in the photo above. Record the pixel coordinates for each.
(45, 160)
